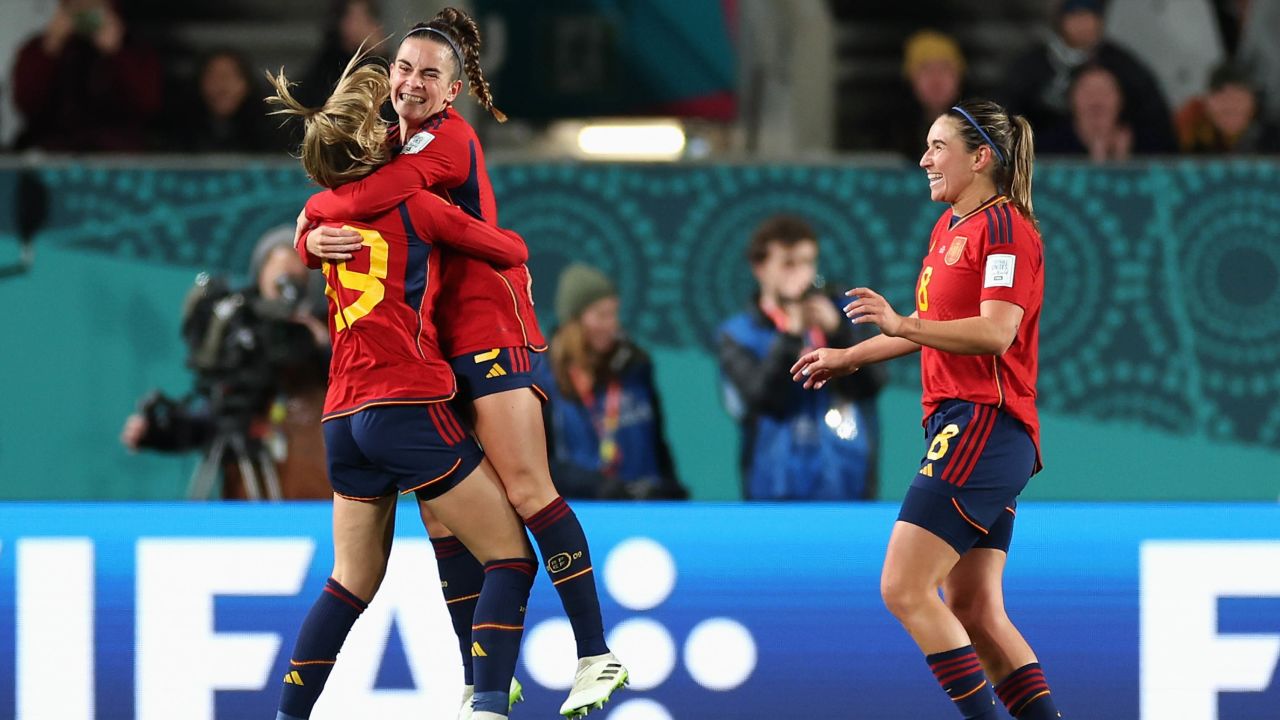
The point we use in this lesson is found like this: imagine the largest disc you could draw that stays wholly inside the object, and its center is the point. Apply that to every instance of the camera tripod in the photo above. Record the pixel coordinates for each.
(257, 468)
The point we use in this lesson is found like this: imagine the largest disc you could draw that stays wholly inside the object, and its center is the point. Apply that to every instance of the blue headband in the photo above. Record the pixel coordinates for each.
(981, 132)
(457, 53)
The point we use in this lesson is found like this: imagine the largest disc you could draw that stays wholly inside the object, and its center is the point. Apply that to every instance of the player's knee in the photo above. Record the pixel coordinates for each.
(528, 488)
(900, 597)
(978, 613)
(364, 581)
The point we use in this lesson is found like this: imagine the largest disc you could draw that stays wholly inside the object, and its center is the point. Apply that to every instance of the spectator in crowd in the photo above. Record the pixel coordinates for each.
(228, 115)
(287, 417)
(1180, 40)
(603, 415)
(796, 445)
(933, 68)
(1039, 83)
(351, 22)
(1226, 119)
(85, 84)
(1260, 51)
(1098, 126)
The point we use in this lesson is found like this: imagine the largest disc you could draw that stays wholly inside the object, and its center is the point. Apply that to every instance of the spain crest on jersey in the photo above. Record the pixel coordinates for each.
(956, 250)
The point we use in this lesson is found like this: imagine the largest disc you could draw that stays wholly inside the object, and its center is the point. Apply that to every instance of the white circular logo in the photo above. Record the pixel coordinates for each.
(640, 574)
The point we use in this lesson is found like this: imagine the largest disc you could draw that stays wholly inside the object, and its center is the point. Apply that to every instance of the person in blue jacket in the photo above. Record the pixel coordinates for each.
(796, 445)
(603, 415)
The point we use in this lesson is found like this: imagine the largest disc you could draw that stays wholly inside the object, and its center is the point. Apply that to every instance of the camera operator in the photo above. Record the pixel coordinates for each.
(260, 358)
(796, 444)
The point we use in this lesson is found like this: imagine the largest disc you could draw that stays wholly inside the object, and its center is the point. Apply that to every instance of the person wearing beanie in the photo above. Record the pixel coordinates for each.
(580, 286)
(796, 444)
(933, 69)
(605, 432)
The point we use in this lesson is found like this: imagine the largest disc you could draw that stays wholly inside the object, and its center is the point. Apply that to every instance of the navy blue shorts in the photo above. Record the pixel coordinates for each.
(497, 370)
(976, 463)
(421, 448)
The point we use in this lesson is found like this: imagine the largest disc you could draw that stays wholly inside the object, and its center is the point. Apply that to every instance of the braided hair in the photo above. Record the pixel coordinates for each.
(459, 28)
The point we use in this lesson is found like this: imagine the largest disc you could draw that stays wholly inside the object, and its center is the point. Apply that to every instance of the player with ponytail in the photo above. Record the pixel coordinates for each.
(488, 330)
(977, 327)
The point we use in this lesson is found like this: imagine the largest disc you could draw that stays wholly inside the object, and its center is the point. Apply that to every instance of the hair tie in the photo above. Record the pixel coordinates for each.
(981, 132)
(457, 53)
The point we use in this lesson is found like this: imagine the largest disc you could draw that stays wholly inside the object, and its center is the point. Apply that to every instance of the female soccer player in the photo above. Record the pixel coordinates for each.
(387, 424)
(976, 326)
(488, 330)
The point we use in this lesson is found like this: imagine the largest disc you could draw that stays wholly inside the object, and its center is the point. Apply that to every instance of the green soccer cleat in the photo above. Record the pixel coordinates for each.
(593, 684)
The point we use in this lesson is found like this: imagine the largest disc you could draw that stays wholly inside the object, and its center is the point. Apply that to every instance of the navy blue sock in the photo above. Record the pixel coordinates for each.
(1026, 694)
(461, 577)
(317, 646)
(960, 675)
(499, 625)
(568, 562)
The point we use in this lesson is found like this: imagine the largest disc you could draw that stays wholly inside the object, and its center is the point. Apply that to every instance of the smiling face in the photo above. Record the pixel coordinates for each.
(423, 80)
(948, 164)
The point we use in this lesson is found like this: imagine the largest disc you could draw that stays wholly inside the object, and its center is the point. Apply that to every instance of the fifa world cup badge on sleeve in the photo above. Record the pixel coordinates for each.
(418, 142)
(999, 271)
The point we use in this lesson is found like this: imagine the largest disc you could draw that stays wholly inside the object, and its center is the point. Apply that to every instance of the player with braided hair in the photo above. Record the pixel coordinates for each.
(388, 427)
(488, 330)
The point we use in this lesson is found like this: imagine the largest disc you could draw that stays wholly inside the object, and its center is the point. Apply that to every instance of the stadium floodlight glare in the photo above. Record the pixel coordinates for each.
(642, 140)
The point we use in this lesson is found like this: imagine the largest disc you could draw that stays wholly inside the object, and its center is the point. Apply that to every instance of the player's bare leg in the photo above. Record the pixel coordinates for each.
(975, 593)
(362, 532)
(915, 566)
(509, 426)
(361, 542)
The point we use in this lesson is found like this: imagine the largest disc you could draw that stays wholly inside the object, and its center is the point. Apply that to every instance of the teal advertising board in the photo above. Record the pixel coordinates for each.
(1160, 374)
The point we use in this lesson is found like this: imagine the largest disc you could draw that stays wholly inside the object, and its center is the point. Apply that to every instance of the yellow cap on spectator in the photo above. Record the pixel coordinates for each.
(929, 45)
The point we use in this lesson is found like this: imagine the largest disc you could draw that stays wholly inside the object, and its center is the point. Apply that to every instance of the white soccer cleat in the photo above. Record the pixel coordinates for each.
(597, 677)
(516, 694)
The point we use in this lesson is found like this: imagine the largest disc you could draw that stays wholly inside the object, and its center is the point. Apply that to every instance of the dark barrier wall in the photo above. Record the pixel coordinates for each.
(1160, 337)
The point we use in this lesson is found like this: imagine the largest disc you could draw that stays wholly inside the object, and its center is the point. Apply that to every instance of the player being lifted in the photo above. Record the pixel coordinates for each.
(388, 426)
(488, 331)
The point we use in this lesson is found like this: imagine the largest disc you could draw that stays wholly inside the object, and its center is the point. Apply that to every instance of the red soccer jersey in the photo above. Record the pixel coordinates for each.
(488, 308)
(385, 348)
(993, 253)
